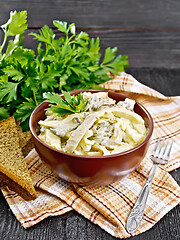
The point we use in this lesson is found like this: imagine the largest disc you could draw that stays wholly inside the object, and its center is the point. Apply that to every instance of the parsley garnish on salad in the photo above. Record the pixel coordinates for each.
(68, 105)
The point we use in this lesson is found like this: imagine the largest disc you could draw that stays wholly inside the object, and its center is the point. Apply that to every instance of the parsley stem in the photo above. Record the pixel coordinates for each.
(4, 42)
(35, 99)
(69, 39)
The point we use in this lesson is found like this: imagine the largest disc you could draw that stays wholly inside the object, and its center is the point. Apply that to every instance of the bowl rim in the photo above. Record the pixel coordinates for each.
(82, 157)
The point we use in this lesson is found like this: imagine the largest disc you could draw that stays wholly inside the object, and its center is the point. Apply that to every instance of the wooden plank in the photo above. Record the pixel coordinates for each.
(144, 48)
(147, 31)
(163, 80)
(162, 14)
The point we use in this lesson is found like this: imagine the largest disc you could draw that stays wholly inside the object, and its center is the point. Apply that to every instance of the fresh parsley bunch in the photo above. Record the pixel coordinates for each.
(67, 61)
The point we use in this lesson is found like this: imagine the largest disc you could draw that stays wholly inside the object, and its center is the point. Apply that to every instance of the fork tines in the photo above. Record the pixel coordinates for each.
(161, 151)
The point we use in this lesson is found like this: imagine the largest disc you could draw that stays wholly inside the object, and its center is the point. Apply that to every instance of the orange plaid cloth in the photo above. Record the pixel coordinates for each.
(110, 206)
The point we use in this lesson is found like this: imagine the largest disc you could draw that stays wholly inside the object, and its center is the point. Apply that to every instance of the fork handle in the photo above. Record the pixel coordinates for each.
(136, 214)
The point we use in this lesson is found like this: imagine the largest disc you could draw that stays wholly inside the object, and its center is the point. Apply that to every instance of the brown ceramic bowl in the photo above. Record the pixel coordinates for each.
(86, 170)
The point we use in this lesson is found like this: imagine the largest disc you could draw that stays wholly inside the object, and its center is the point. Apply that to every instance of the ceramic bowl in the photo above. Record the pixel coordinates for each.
(86, 170)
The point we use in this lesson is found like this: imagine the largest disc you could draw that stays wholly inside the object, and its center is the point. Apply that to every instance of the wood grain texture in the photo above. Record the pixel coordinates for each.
(163, 80)
(147, 31)
(161, 14)
(159, 49)
(72, 226)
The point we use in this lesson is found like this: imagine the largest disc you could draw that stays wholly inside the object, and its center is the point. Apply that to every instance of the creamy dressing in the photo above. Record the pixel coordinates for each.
(105, 127)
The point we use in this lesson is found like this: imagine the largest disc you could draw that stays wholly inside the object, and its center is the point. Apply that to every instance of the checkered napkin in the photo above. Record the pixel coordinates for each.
(109, 206)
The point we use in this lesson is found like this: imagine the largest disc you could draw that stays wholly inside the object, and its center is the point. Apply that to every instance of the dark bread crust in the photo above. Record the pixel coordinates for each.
(13, 186)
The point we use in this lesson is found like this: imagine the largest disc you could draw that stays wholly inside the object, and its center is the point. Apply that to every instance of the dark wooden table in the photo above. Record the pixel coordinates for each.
(149, 33)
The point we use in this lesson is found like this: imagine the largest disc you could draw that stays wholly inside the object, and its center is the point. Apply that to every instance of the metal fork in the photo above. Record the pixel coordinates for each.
(160, 155)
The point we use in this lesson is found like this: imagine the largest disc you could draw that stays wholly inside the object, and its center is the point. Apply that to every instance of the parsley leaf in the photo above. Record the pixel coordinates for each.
(24, 111)
(3, 113)
(8, 91)
(109, 55)
(61, 26)
(12, 72)
(70, 104)
(16, 23)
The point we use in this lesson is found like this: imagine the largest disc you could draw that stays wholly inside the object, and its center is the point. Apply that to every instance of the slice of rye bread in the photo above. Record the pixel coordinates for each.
(25, 140)
(26, 145)
(12, 162)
